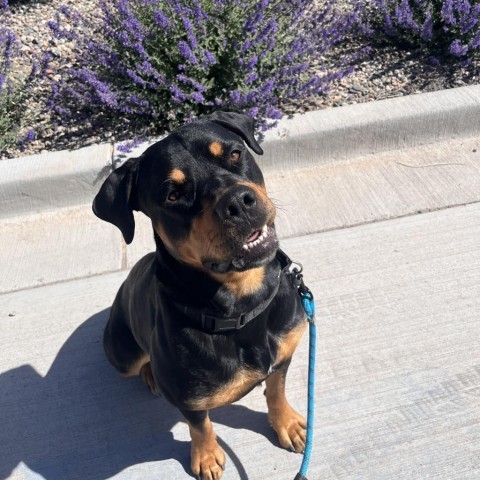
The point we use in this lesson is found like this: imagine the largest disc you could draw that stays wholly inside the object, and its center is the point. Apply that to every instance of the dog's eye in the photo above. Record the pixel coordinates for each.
(235, 155)
(174, 195)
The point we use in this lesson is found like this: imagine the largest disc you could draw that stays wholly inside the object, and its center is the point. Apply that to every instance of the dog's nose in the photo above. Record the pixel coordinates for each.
(237, 204)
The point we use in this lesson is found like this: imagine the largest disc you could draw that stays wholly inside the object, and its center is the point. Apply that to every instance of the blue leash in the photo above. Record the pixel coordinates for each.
(308, 303)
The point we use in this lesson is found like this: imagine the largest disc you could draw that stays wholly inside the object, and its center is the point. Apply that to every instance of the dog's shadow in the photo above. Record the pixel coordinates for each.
(83, 421)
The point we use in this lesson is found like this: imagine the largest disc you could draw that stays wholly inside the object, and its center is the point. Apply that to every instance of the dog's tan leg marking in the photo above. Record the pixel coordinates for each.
(289, 424)
(147, 377)
(289, 342)
(207, 458)
(135, 369)
(243, 381)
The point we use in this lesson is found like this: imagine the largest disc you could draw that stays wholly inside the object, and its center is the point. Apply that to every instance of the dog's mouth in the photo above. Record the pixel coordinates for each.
(256, 238)
(259, 248)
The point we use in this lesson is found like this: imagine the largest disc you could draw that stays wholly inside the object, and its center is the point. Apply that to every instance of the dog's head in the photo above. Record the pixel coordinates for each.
(204, 193)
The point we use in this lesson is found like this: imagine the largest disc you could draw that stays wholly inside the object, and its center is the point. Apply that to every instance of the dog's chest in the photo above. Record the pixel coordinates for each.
(247, 377)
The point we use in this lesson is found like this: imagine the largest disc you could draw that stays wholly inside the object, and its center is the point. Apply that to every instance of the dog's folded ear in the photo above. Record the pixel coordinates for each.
(240, 124)
(115, 201)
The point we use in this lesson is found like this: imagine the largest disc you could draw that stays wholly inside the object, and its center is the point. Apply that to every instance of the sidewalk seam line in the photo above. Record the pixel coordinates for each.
(379, 220)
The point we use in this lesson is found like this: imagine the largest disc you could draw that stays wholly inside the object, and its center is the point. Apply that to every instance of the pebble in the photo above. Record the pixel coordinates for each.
(390, 72)
(385, 73)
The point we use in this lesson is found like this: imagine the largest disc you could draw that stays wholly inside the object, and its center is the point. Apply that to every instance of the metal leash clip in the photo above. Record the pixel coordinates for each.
(305, 293)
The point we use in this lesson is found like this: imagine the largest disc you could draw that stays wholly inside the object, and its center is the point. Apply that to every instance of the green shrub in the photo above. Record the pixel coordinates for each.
(14, 94)
(445, 28)
(159, 64)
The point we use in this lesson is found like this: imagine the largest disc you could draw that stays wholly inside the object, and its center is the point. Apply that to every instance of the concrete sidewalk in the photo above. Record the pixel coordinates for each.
(398, 298)
(325, 170)
(398, 384)
(71, 242)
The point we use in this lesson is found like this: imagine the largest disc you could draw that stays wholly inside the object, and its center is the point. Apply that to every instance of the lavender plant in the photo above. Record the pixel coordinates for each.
(14, 92)
(449, 28)
(154, 64)
(7, 96)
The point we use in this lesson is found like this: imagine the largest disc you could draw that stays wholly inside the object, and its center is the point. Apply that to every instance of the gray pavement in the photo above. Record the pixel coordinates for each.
(70, 242)
(398, 300)
(398, 383)
(326, 169)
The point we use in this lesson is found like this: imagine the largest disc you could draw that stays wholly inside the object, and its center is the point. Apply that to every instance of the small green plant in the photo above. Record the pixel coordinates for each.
(14, 94)
(10, 118)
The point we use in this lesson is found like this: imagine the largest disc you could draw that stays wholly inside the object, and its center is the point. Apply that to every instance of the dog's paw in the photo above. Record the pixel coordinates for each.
(207, 460)
(290, 427)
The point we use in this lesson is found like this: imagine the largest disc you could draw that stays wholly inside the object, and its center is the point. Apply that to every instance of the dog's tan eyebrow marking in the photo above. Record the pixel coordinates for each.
(216, 149)
(177, 176)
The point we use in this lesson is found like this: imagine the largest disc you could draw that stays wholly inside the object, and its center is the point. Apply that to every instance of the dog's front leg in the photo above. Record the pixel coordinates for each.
(207, 458)
(288, 423)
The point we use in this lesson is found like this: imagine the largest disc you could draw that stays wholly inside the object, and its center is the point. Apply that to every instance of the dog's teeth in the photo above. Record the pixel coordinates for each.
(249, 245)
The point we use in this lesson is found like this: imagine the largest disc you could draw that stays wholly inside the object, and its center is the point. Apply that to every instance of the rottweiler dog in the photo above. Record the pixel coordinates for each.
(211, 313)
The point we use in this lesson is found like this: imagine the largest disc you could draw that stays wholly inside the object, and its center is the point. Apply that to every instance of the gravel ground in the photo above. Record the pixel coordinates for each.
(384, 73)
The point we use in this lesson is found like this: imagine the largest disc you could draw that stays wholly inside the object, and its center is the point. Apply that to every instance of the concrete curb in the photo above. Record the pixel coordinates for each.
(319, 167)
(344, 133)
(60, 179)
(38, 183)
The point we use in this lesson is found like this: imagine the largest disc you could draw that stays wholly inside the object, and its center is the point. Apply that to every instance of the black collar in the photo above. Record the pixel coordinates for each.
(213, 323)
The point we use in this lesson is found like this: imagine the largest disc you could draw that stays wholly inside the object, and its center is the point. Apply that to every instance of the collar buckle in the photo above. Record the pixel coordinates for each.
(214, 324)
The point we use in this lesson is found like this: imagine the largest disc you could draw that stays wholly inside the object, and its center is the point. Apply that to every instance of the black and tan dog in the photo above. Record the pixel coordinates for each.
(210, 314)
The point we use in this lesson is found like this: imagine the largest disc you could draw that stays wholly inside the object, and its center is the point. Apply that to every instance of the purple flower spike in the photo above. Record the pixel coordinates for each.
(445, 28)
(159, 64)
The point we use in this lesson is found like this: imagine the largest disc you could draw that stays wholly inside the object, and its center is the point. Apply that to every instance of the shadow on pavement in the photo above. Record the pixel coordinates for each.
(84, 421)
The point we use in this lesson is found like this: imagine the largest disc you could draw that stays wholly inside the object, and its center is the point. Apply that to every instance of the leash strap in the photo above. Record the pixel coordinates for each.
(308, 303)
(311, 400)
